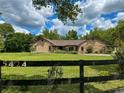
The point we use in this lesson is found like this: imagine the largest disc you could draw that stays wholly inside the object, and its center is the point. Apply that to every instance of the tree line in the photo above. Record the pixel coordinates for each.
(112, 36)
(21, 42)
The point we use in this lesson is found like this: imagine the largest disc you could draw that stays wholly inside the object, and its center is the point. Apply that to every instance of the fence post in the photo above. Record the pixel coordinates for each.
(0, 77)
(81, 77)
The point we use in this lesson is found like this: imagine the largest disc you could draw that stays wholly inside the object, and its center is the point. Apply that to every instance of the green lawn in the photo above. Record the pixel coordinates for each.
(45, 56)
(41, 72)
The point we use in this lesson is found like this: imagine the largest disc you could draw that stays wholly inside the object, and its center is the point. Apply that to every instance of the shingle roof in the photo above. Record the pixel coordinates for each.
(66, 42)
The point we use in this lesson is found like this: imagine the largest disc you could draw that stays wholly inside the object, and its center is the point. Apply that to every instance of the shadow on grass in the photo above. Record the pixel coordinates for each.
(66, 88)
(118, 90)
(110, 69)
(91, 89)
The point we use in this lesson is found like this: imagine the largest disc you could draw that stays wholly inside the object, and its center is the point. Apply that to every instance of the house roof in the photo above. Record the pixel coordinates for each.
(67, 42)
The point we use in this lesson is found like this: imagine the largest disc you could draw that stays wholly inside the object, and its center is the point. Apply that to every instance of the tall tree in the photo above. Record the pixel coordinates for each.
(106, 36)
(119, 34)
(53, 34)
(6, 29)
(45, 33)
(18, 42)
(72, 35)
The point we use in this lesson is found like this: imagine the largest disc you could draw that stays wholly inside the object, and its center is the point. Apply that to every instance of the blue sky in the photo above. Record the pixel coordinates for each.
(26, 19)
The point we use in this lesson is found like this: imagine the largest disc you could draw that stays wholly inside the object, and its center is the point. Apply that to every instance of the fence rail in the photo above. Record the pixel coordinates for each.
(81, 79)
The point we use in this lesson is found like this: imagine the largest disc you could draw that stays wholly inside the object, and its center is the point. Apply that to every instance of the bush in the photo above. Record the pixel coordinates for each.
(119, 55)
(72, 52)
(65, 52)
(60, 51)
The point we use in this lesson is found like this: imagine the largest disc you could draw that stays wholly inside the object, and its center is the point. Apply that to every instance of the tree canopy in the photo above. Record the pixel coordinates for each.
(6, 29)
(112, 36)
(72, 35)
(119, 34)
(18, 42)
(1, 43)
(64, 9)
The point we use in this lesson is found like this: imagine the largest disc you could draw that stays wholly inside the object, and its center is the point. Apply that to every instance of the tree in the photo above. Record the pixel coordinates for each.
(1, 43)
(45, 33)
(65, 9)
(72, 35)
(94, 34)
(18, 42)
(119, 34)
(6, 29)
(119, 41)
(106, 36)
(53, 34)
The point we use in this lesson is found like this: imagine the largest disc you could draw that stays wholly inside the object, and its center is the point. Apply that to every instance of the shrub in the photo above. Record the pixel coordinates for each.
(60, 51)
(119, 55)
(65, 52)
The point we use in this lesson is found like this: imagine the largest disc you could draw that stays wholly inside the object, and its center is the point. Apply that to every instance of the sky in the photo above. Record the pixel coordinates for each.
(26, 19)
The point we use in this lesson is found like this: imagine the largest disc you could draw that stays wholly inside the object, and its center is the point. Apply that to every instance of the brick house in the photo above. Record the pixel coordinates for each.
(79, 46)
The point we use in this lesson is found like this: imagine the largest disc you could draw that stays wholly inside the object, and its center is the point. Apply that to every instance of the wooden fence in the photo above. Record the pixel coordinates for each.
(81, 79)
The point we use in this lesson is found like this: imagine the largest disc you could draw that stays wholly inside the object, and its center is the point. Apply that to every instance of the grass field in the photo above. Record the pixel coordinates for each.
(41, 72)
(38, 56)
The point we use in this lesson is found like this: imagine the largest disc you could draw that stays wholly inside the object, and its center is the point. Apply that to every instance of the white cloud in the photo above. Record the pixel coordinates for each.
(102, 23)
(120, 16)
(84, 30)
(113, 6)
(93, 9)
(22, 12)
(1, 22)
(63, 29)
(20, 30)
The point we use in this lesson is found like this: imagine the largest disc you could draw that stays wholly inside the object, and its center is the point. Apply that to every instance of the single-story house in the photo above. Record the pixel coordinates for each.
(80, 46)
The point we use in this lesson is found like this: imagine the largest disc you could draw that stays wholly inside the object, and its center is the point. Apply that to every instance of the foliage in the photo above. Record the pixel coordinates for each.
(6, 29)
(119, 41)
(52, 34)
(119, 34)
(119, 55)
(72, 35)
(102, 35)
(1, 43)
(112, 36)
(65, 52)
(18, 42)
(53, 73)
(45, 33)
(64, 9)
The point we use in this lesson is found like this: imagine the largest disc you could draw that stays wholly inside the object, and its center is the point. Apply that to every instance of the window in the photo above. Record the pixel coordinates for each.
(82, 48)
(49, 48)
(60, 48)
(71, 48)
(89, 49)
